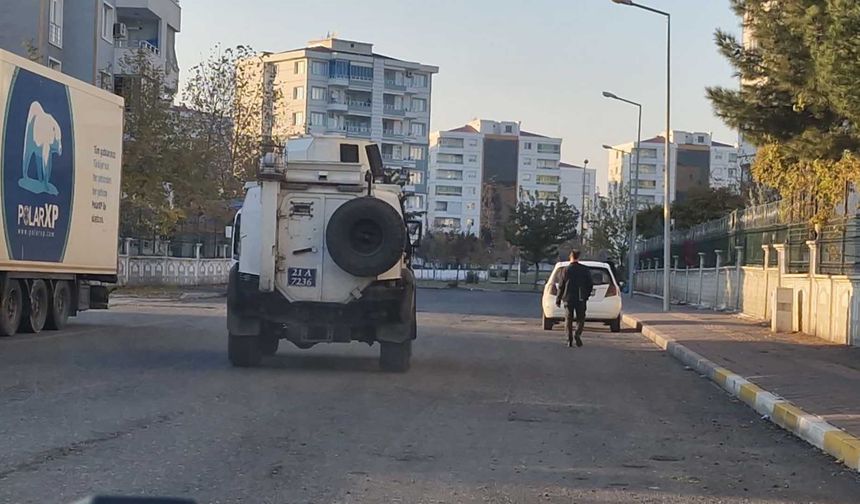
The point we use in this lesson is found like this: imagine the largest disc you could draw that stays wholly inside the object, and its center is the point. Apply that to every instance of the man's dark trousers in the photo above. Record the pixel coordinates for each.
(575, 311)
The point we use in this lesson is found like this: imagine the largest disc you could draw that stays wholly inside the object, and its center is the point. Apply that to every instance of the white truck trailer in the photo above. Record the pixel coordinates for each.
(60, 160)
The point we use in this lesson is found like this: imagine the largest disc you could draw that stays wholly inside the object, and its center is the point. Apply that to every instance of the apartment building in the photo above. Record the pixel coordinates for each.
(89, 39)
(480, 170)
(578, 185)
(341, 87)
(696, 161)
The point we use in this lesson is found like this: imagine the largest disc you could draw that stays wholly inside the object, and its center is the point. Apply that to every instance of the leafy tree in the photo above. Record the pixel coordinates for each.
(537, 228)
(152, 152)
(609, 223)
(649, 222)
(228, 111)
(798, 100)
(702, 205)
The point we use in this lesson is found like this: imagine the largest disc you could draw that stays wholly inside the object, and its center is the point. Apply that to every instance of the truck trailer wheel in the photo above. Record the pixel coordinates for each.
(36, 308)
(11, 307)
(395, 357)
(244, 351)
(61, 306)
(365, 237)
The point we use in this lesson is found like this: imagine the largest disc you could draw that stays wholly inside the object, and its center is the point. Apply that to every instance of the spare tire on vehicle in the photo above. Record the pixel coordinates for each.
(366, 236)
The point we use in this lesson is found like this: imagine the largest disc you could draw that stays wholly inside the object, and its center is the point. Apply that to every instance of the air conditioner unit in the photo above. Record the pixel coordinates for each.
(120, 31)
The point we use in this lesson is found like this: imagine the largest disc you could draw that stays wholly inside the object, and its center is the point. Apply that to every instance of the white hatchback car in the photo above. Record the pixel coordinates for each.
(604, 305)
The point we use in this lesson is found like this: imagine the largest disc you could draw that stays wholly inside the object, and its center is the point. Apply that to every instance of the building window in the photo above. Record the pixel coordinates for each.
(449, 174)
(299, 67)
(449, 158)
(547, 179)
(647, 184)
(547, 163)
(107, 22)
(357, 72)
(547, 195)
(419, 105)
(418, 129)
(509, 129)
(718, 155)
(646, 153)
(317, 93)
(733, 172)
(299, 93)
(471, 174)
(446, 222)
(470, 206)
(473, 142)
(451, 143)
(416, 153)
(415, 202)
(317, 119)
(527, 161)
(701, 139)
(549, 148)
(415, 177)
(55, 64)
(473, 158)
(527, 146)
(419, 80)
(527, 176)
(441, 206)
(447, 190)
(733, 158)
(298, 119)
(319, 67)
(55, 28)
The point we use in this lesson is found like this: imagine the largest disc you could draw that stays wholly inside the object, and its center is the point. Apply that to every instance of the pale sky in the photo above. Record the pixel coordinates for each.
(541, 62)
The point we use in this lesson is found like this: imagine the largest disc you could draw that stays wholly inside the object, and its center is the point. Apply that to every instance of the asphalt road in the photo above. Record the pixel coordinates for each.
(141, 400)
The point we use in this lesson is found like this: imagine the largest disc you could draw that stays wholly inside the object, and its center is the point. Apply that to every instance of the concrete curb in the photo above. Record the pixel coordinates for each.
(811, 428)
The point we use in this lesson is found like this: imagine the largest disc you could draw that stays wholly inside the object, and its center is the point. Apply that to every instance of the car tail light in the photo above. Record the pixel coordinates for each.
(611, 291)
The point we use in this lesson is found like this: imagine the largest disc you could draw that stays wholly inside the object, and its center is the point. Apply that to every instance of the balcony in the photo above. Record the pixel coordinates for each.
(360, 83)
(360, 106)
(408, 162)
(338, 80)
(393, 85)
(360, 130)
(392, 134)
(337, 105)
(390, 109)
(338, 129)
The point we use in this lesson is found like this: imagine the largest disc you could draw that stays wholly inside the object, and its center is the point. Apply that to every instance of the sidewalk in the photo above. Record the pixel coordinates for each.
(818, 377)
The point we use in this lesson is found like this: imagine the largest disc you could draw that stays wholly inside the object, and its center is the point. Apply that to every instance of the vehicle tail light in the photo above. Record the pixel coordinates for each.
(611, 290)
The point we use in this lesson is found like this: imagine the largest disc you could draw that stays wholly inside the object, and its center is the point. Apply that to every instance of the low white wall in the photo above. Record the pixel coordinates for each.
(149, 270)
(449, 275)
(827, 306)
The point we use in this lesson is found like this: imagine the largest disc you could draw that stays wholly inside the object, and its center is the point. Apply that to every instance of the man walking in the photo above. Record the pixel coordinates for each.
(574, 290)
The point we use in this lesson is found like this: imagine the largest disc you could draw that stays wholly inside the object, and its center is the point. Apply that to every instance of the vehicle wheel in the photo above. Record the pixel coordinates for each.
(615, 325)
(36, 309)
(61, 306)
(395, 357)
(269, 345)
(11, 307)
(244, 351)
(547, 323)
(365, 237)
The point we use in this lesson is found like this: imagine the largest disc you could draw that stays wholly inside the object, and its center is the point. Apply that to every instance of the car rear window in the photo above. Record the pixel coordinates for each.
(600, 276)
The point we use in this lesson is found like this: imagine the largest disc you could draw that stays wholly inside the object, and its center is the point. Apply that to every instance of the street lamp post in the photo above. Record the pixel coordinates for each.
(667, 235)
(631, 253)
(582, 208)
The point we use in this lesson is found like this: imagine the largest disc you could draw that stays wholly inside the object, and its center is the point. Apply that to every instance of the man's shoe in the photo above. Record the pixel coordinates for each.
(570, 344)
(578, 341)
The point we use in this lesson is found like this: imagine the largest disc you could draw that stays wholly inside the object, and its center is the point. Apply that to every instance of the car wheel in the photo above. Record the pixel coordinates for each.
(547, 323)
(244, 351)
(615, 325)
(36, 310)
(395, 357)
(11, 307)
(61, 306)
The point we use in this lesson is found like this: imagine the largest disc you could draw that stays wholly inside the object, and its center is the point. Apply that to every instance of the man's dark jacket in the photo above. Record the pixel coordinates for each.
(576, 284)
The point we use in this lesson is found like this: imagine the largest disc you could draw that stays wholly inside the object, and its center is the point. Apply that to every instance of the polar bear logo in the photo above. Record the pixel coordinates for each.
(42, 139)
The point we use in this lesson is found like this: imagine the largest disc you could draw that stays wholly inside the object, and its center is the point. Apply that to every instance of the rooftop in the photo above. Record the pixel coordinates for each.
(463, 129)
(530, 134)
